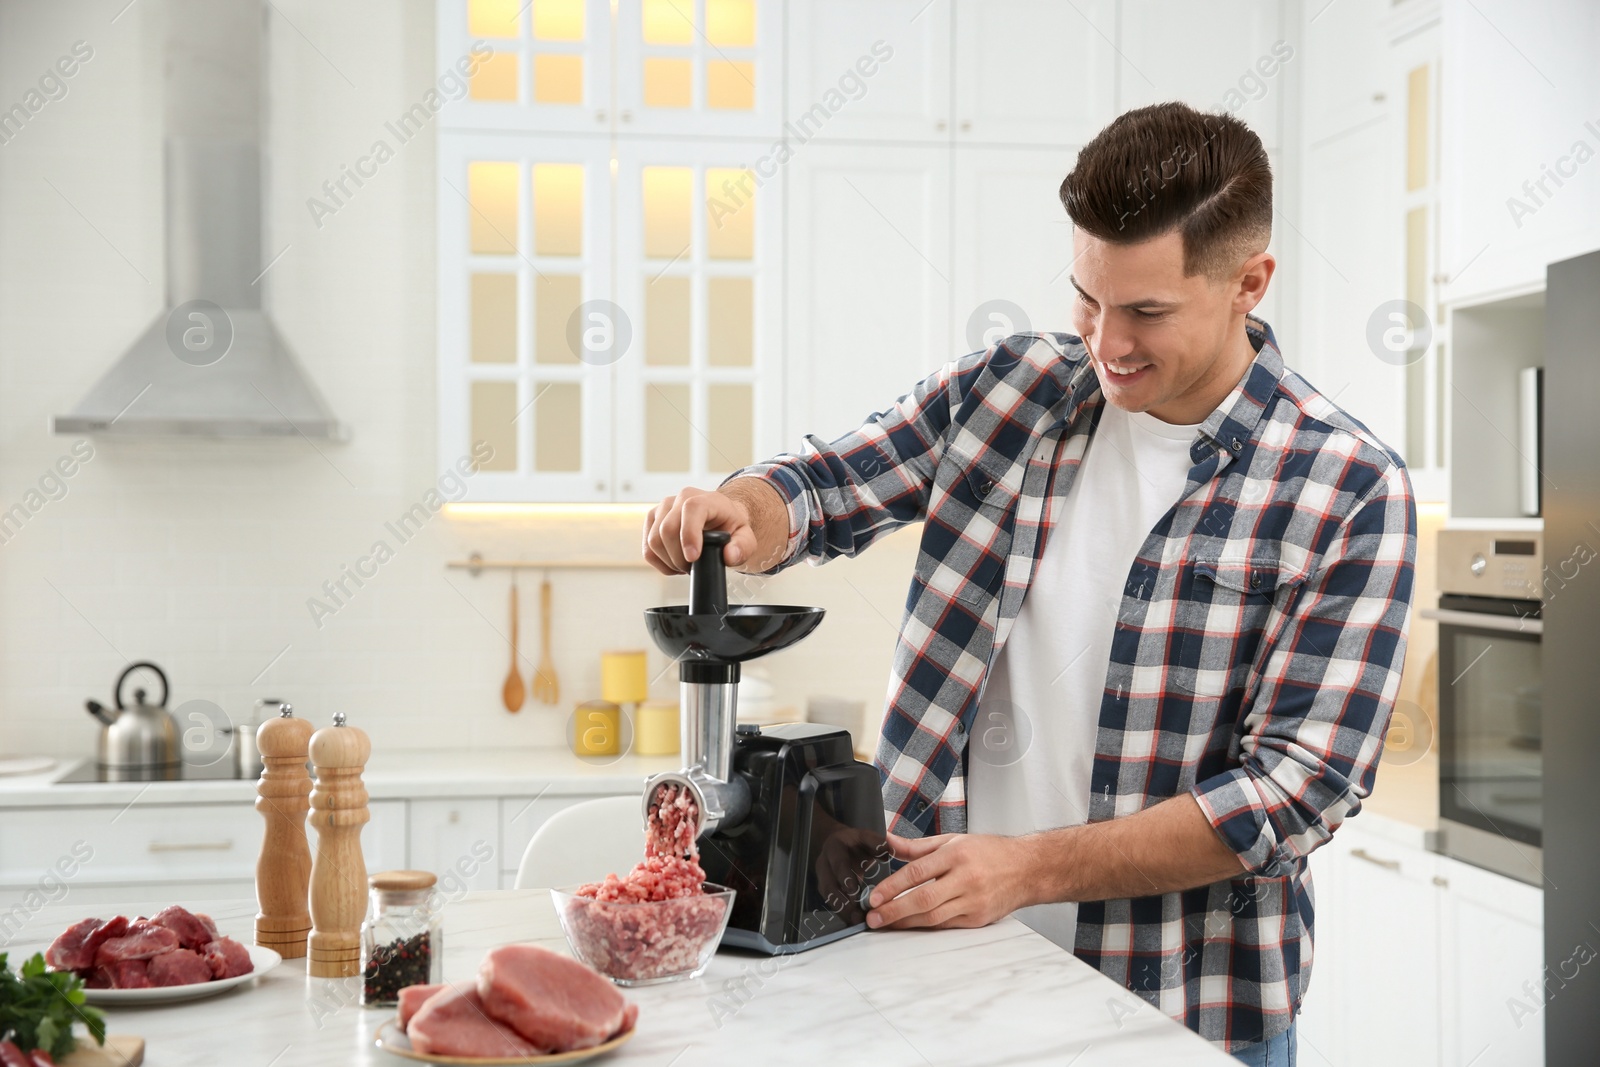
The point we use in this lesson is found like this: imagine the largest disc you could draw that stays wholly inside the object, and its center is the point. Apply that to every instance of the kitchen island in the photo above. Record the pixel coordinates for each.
(1001, 994)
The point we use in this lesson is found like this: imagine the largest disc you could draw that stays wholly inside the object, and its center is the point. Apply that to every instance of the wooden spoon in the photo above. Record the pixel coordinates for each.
(513, 692)
(546, 686)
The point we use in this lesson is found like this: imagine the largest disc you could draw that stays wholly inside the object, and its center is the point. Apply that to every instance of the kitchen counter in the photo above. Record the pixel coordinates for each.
(389, 775)
(890, 999)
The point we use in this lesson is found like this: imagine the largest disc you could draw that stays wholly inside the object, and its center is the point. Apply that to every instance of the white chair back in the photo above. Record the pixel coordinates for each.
(584, 843)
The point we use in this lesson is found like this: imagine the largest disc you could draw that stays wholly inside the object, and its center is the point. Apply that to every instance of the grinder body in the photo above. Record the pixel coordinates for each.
(811, 847)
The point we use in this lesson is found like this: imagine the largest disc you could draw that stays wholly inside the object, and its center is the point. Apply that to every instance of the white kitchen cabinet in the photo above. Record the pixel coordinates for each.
(1013, 243)
(1420, 959)
(544, 67)
(868, 72)
(1520, 98)
(1492, 963)
(1344, 69)
(699, 255)
(704, 68)
(869, 281)
(456, 838)
(588, 66)
(1350, 264)
(1245, 70)
(1033, 72)
(526, 342)
(157, 852)
(145, 843)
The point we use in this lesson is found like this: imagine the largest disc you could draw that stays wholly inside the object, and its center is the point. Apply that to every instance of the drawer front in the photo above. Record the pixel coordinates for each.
(139, 843)
(48, 849)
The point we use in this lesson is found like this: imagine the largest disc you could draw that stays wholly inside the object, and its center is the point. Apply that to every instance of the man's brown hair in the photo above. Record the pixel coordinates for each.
(1169, 167)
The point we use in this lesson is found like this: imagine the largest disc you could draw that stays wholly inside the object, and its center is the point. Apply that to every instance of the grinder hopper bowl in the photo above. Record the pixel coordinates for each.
(789, 818)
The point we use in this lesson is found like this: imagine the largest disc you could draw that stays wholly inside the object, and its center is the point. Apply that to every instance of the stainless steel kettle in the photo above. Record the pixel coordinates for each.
(143, 736)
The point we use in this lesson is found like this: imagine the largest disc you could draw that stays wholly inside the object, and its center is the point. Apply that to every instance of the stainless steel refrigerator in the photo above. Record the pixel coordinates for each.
(1572, 662)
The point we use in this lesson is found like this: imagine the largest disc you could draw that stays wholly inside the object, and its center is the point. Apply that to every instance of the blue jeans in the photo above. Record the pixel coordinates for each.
(1273, 1052)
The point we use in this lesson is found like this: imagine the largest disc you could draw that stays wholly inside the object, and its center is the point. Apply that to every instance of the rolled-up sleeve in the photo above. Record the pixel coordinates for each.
(1314, 727)
(844, 494)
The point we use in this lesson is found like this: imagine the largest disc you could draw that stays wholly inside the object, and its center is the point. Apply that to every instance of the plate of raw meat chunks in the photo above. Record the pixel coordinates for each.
(175, 954)
(527, 1005)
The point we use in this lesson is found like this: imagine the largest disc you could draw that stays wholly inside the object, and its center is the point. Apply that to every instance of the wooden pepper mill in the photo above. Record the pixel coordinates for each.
(284, 870)
(338, 872)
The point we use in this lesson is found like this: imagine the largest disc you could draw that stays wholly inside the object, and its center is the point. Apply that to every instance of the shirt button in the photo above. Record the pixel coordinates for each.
(1255, 581)
(1238, 445)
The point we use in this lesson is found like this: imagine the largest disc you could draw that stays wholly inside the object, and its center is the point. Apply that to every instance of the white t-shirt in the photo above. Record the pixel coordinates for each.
(1031, 752)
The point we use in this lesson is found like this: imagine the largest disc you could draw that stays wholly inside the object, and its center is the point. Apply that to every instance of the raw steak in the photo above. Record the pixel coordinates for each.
(181, 966)
(128, 974)
(143, 940)
(551, 1000)
(413, 997)
(227, 958)
(192, 933)
(75, 949)
(453, 1022)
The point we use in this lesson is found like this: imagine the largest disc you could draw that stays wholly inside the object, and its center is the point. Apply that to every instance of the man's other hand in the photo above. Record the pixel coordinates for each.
(953, 881)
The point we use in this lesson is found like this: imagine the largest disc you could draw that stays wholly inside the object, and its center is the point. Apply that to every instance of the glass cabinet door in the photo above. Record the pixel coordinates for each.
(523, 259)
(697, 239)
(699, 66)
(542, 66)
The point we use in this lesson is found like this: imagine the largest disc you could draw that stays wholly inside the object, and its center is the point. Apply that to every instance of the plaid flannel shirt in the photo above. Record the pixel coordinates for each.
(1256, 657)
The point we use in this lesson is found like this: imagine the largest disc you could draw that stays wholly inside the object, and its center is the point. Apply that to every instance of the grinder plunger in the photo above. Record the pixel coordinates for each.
(709, 640)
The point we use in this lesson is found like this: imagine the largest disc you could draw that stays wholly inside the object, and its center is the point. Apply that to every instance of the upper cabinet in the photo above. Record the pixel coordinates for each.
(1033, 72)
(1521, 125)
(1245, 49)
(705, 67)
(676, 236)
(868, 71)
(543, 66)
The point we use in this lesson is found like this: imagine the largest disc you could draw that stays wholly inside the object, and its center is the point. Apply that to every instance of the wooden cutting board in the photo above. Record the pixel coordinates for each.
(120, 1050)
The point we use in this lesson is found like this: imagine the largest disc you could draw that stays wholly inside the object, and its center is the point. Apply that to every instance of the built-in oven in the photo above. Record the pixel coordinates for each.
(1490, 763)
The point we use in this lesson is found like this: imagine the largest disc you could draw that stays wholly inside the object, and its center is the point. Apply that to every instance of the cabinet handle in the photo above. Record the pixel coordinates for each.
(191, 846)
(1442, 883)
(966, 124)
(1363, 854)
(939, 125)
(599, 116)
(627, 116)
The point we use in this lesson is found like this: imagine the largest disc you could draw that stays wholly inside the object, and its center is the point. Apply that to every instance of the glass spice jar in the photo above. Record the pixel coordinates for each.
(401, 943)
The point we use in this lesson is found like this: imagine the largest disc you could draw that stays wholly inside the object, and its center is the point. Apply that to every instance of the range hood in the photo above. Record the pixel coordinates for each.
(211, 364)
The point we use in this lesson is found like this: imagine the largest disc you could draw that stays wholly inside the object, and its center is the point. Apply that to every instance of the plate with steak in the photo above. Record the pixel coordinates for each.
(527, 1005)
(173, 955)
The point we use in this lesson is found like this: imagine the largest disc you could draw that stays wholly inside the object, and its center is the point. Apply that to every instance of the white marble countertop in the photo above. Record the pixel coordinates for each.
(392, 774)
(1002, 994)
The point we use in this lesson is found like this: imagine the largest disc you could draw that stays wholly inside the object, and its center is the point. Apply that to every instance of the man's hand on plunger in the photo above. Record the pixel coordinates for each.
(750, 509)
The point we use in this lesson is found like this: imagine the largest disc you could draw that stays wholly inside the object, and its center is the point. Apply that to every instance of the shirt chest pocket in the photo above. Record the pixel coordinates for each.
(968, 534)
(1224, 609)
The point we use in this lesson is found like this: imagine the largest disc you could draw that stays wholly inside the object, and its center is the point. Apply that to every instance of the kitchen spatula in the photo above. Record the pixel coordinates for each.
(513, 692)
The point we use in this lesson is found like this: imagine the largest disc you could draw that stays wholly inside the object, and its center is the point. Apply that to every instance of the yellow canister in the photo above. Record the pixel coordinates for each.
(596, 729)
(655, 728)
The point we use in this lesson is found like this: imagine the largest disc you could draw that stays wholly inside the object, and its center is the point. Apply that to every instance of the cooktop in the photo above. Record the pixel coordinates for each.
(90, 771)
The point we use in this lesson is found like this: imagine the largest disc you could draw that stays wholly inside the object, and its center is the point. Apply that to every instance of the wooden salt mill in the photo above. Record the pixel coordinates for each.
(284, 869)
(338, 872)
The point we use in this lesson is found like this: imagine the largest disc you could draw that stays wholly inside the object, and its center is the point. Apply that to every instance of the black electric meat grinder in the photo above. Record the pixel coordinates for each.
(789, 818)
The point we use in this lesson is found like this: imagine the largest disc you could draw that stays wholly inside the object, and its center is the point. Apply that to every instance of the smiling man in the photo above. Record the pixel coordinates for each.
(1159, 610)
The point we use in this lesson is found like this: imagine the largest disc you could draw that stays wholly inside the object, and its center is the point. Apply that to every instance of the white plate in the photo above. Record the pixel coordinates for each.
(264, 960)
(393, 1040)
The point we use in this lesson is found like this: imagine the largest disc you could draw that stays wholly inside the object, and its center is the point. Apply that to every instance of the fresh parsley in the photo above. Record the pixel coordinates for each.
(39, 1006)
